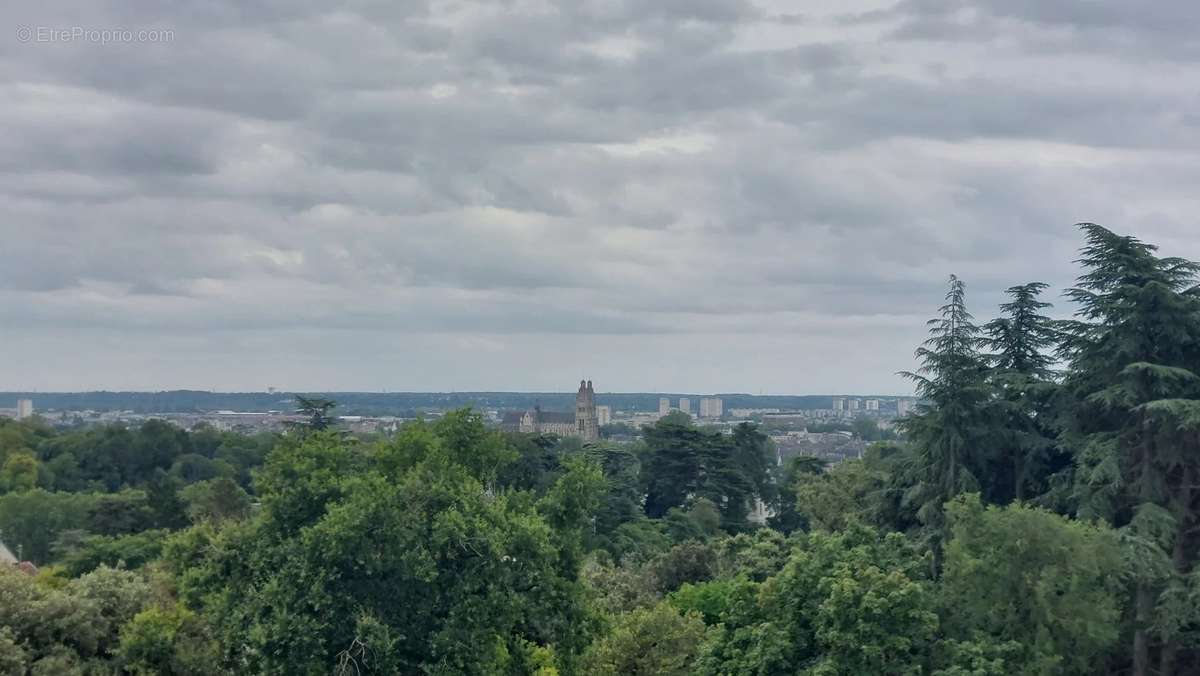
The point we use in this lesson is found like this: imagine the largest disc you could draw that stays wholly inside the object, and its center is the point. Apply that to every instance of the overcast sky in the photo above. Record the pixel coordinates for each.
(679, 195)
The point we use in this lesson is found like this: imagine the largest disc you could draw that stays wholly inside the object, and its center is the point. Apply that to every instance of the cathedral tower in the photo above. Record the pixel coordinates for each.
(586, 424)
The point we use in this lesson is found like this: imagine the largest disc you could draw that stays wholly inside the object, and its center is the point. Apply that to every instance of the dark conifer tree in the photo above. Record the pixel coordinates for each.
(1134, 424)
(317, 411)
(1022, 341)
(949, 428)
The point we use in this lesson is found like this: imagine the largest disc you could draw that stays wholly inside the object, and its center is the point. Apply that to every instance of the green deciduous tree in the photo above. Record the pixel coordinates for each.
(72, 629)
(121, 551)
(217, 500)
(19, 472)
(657, 641)
(170, 640)
(402, 552)
(1051, 585)
(845, 603)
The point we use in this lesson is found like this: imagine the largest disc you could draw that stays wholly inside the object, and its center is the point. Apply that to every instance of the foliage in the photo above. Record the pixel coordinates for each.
(30, 521)
(69, 629)
(657, 641)
(710, 600)
(216, 500)
(19, 472)
(786, 517)
(847, 602)
(452, 577)
(683, 462)
(168, 641)
(1028, 576)
(121, 551)
(683, 563)
(616, 588)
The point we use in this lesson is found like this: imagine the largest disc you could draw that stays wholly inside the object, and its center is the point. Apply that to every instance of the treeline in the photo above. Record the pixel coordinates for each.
(1039, 515)
(66, 495)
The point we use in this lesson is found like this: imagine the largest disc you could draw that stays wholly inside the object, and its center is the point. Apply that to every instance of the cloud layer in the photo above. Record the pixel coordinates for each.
(704, 195)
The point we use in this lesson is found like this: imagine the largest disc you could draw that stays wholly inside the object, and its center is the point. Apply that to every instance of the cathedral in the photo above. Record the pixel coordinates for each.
(584, 424)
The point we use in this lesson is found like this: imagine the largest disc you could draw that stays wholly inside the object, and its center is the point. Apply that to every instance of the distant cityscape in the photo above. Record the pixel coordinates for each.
(802, 424)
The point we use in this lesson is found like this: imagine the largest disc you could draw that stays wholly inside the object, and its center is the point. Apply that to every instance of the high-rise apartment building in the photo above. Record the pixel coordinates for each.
(664, 406)
(603, 415)
(24, 408)
(711, 407)
(685, 405)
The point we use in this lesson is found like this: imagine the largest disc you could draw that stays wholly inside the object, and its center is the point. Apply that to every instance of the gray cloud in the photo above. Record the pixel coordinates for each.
(677, 195)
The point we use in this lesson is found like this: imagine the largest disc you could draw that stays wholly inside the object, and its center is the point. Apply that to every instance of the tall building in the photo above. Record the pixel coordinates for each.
(839, 404)
(903, 407)
(685, 405)
(872, 404)
(853, 404)
(664, 406)
(586, 424)
(24, 408)
(711, 407)
(603, 415)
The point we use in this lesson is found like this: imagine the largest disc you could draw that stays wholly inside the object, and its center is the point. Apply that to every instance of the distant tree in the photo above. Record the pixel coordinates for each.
(19, 472)
(156, 445)
(683, 563)
(786, 517)
(755, 459)
(866, 429)
(164, 501)
(470, 443)
(316, 411)
(848, 493)
(683, 462)
(537, 465)
(129, 511)
(710, 599)
(216, 500)
(121, 551)
(31, 521)
(622, 501)
(756, 555)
